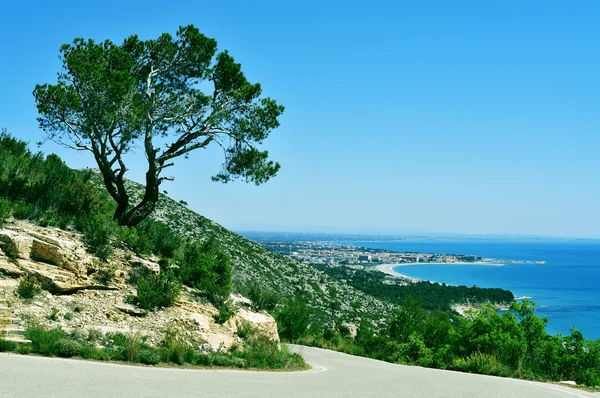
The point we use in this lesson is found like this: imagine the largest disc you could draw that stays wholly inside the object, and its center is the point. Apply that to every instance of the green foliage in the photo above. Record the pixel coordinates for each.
(44, 188)
(293, 319)
(54, 314)
(45, 341)
(431, 296)
(512, 344)
(206, 268)
(198, 96)
(244, 329)
(152, 237)
(157, 291)
(175, 349)
(7, 345)
(99, 235)
(486, 364)
(225, 313)
(68, 348)
(5, 210)
(262, 298)
(105, 273)
(68, 316)
(258, 352)
(262, 353)
(28, 288)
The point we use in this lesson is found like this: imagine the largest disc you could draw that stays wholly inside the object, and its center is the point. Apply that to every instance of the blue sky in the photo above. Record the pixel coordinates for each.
(435, 116)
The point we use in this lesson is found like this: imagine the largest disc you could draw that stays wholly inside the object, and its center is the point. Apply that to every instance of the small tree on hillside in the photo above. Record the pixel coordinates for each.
(178, 90)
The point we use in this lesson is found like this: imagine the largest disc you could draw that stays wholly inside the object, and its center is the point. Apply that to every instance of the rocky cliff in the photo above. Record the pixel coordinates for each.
(83, 293)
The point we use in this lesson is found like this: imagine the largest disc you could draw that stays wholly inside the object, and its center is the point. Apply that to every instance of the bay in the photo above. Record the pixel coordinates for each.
(566, 288)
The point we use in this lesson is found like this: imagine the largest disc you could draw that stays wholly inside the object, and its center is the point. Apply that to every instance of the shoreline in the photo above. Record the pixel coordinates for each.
(389, 268)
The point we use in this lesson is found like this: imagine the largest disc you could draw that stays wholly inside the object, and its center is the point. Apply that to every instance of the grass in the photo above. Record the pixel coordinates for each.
(28, 288)
(259, 353)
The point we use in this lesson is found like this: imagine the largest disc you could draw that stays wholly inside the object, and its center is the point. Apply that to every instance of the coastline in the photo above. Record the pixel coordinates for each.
(389, 268)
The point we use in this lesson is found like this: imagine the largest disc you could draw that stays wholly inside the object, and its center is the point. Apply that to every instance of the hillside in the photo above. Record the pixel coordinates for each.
(252, 263)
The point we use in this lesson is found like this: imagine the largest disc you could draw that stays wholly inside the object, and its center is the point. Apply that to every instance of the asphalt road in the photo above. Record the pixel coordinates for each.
(333, 375)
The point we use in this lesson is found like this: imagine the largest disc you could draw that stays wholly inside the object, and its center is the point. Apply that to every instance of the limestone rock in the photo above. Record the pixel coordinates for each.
(38, 244)
(238, 299)
(15, 245)
(130, 309)
(140, 263)
(9, 268)
(261, 321)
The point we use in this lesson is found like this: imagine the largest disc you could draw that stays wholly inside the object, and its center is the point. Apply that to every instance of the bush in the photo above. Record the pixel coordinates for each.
(126, 347)
(99, 233)
(5, 211)
(263, 353)
(244, 329)
(173, 348)
(105, 274)
(45, 341)
(155, 237)
(262, 299)
(206, 268)
(7, 346)
(481, 363)
(157, 291)
(293, 319)
(149, 356)
(225, 314)
(67, 348)
(28, 288)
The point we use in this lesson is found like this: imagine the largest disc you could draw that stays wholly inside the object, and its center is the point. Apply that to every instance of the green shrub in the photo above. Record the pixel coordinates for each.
(45, 341)
(149, 356)
(225, 314)
(105, 274)
(126, 347)
(5, 210)
(157, 291)
(481, 363)
(7, 346)
(174, 349)
(262, 299)
(68, 316)
(21, 210)
(67, 348)
(156, 237)
(28, 288)
(54, 314)
(206, 268)
(244, 329)
(99, 233)
(293, 319)
(260, 352)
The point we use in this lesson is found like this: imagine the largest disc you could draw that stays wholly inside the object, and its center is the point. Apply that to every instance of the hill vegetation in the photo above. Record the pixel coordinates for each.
(431, 296)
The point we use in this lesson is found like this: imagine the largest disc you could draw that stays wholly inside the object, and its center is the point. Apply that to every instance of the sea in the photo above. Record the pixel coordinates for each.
(566, 288)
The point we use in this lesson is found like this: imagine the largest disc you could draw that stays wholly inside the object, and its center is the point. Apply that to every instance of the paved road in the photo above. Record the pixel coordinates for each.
(333, 375)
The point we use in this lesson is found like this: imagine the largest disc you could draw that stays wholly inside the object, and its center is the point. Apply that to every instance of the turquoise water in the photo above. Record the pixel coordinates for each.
(566, 288)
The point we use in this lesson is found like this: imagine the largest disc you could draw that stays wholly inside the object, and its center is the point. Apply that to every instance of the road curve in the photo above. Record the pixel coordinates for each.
(333, 375)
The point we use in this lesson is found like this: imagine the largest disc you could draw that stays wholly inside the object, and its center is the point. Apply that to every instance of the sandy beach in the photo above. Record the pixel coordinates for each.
(389, 268)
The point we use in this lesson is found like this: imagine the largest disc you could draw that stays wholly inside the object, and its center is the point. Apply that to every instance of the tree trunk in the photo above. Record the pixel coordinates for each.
(116, 188)
(148, 203)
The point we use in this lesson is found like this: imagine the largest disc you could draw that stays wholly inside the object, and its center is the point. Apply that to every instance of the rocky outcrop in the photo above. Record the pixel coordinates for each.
(259, 321)
(57, 259)
(74, 298)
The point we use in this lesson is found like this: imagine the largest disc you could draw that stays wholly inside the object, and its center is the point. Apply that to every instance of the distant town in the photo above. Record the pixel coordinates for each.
(348, 255)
